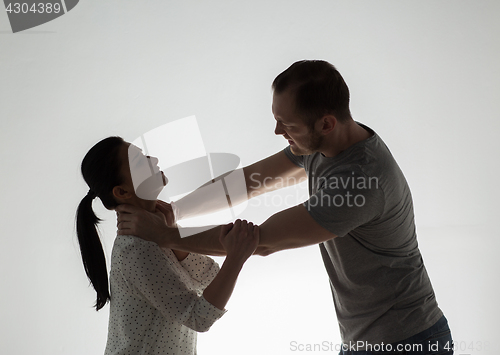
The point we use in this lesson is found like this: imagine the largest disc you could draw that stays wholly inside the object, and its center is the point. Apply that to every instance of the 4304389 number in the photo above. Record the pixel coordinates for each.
(37, 8)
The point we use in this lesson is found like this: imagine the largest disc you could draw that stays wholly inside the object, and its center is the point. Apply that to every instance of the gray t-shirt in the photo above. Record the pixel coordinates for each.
(380, 287)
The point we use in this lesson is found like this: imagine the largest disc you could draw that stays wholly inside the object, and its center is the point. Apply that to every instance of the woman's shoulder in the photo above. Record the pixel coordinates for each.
(130, 252)
(131, 239)
(126, 244)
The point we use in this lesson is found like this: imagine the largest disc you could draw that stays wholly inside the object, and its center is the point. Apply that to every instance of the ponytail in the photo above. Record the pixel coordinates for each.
(101, 171)
(94, 261)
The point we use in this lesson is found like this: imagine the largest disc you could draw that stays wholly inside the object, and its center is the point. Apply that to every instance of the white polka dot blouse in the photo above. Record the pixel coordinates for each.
(157, 305)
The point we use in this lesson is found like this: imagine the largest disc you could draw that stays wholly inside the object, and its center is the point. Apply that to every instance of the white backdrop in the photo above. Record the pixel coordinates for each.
(423, 74)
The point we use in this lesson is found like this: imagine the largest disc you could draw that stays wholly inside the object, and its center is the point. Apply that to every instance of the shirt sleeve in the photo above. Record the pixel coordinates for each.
(345, 201)
(150, 272)
(296, 159)
(201, 268)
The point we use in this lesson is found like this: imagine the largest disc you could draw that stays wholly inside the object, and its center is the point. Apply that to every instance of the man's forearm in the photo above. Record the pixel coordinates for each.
(223, 192)
(206, 242)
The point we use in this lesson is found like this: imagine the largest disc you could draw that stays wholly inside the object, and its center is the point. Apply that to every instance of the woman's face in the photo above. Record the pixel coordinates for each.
(142, 172)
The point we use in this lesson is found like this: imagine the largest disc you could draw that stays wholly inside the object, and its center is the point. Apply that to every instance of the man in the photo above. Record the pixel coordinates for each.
(360, 212)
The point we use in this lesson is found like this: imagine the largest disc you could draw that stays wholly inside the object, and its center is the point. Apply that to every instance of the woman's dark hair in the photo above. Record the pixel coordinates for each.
(101, 170)
(318, 89)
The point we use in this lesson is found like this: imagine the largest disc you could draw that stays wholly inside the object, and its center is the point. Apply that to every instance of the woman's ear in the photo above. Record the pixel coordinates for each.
(122, 192)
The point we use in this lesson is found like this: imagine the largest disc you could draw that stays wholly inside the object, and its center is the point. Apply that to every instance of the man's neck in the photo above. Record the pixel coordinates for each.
(343, 137)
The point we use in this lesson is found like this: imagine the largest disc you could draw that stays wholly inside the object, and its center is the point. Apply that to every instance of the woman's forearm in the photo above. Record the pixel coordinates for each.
(220, 289)
(240, 241)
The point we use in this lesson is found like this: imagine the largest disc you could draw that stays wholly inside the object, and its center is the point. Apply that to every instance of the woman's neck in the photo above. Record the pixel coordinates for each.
(148, 205)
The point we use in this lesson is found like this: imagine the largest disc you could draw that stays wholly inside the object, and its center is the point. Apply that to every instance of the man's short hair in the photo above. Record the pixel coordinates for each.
(318, 89)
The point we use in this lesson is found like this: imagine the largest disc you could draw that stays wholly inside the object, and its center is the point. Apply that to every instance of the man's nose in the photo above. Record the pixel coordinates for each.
(278, 130)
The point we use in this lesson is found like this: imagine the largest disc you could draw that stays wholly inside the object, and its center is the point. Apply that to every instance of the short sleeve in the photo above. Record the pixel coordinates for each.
(345, 201)
(296, 159)
(151, 273)
(201, 268)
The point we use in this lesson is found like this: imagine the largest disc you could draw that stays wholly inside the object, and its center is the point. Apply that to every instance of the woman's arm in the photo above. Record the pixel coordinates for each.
(239, 241)
(180, 255)
(153, 276)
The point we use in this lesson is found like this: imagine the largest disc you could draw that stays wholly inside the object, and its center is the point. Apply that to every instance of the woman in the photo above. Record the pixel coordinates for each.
(159, 297)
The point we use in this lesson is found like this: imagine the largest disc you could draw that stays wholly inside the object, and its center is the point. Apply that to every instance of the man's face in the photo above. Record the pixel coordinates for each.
(289, 124)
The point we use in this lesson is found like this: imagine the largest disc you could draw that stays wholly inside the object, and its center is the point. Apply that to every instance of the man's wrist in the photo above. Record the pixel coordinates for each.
(166, 237)
(176, 212)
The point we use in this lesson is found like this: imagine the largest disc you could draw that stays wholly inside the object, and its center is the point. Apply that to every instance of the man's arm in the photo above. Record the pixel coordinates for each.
(133, 220)
(281, 231)
(267, 175)
(272, 173)
(288, 229)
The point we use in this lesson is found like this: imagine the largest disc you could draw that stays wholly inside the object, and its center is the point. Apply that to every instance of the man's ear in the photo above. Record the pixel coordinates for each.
(122, 192)
(326, 124)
